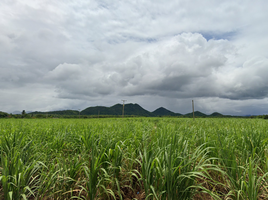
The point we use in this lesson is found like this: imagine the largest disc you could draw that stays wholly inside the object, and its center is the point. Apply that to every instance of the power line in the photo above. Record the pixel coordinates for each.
(193, 108)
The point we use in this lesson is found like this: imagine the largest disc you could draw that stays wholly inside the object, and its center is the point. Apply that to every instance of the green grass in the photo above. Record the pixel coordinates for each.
(142, 158)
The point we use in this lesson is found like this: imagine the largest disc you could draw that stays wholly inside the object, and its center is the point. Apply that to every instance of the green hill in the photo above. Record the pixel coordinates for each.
(164, 112)
(136, 109)
(216, 114)
(129, 109)
(96, 110)
(196, 114)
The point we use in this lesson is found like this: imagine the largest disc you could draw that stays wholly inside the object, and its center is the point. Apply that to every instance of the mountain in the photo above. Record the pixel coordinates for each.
(16, 112)
(196, 114)
(136, 109)
(102, 110)
(129, 109)
(216, 114)
(164, 112)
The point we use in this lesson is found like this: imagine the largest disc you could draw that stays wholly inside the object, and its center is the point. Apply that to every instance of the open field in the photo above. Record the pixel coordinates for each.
(142, 158)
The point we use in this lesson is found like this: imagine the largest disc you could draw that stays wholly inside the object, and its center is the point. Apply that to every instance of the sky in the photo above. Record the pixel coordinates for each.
(72, 54)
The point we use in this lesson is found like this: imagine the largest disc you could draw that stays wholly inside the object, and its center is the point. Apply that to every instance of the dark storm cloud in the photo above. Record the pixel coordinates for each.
(249, 81)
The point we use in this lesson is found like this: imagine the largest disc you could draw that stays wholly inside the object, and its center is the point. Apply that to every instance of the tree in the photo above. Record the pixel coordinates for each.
(23, 113)
(3, 114)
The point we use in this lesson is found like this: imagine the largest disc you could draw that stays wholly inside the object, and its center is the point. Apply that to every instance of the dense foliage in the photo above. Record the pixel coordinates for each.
(3, 114)
(152, 158)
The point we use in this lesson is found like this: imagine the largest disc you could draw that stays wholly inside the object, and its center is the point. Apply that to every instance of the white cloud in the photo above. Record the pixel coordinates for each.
(66, 72)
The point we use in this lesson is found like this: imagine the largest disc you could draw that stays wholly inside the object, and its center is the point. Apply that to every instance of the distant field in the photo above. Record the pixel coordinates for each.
(142, 158)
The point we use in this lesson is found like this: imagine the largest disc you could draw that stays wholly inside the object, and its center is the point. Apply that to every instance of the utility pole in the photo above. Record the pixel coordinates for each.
(79, 112)
(193, 108)
(123, 107)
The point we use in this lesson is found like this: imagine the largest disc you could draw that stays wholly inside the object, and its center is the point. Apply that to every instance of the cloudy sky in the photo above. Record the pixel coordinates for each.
(72, 54)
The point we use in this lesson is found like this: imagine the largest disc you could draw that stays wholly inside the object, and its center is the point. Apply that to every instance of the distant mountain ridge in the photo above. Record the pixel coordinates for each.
(129, 110)
(196, 114)
(216, 114)
(164, 112)
(59, 112)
